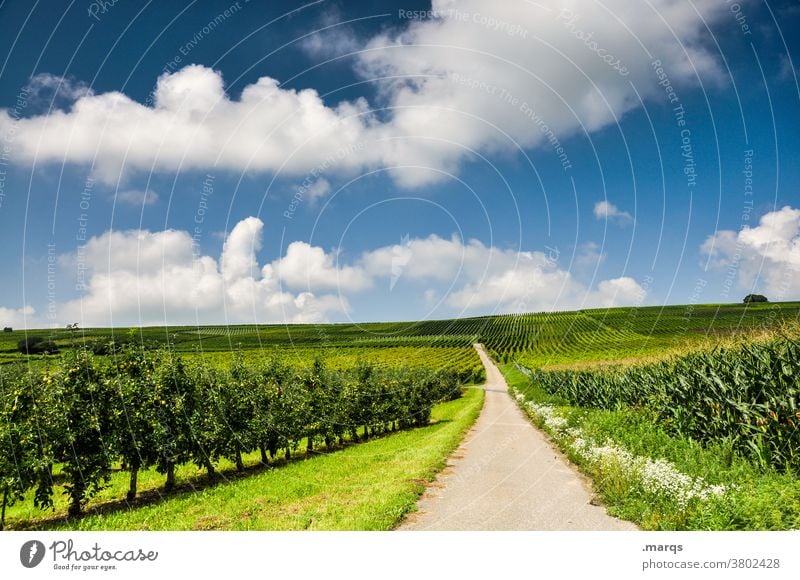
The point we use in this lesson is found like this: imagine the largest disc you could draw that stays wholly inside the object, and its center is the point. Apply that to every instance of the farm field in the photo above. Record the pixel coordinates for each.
(537, 340)
(705, 440)
(369, 486)
(251, 396)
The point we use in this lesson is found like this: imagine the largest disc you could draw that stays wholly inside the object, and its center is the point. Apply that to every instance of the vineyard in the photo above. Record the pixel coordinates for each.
(535, 340)
(80, 404)
(460, 360)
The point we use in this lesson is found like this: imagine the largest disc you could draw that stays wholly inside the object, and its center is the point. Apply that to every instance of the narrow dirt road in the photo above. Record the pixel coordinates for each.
(507, 476)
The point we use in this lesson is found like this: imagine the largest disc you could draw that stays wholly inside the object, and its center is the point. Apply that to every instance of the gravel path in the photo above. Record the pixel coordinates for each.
(507, 476)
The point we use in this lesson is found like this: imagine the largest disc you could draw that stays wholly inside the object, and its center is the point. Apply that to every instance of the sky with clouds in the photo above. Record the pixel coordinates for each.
(250, 162)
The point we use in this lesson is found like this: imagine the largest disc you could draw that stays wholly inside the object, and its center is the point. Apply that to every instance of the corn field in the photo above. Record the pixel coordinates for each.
(746, 396)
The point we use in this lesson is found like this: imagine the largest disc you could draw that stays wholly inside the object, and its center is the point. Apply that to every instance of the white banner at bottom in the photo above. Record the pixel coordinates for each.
(389, 555)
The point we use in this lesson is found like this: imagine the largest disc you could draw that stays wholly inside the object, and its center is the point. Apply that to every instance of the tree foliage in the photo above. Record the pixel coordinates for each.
(751, 298)
(147, 409)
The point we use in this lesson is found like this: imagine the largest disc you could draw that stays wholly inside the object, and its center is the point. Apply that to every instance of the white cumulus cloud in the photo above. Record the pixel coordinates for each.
(484, 278)
(485, 76)
(142, 277)
(17, 317)
(307, 266)
(194, 124)
(765, 256)
(605, 210)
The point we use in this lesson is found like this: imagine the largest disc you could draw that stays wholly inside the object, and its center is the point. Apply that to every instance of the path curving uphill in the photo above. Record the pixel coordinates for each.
(507, 476)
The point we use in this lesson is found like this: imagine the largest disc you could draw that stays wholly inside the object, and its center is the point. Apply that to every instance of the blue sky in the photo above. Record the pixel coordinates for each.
(286, 162)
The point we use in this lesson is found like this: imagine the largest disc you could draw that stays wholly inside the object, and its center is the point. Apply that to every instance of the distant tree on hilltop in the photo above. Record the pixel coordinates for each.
(750, 298)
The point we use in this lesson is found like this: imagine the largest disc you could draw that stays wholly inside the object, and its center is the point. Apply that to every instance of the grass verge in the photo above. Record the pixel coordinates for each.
(661, 482)
(368, 486)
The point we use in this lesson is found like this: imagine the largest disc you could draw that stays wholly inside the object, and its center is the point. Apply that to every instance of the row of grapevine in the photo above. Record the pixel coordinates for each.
(748, 396)
(153, 410)
(535, 338)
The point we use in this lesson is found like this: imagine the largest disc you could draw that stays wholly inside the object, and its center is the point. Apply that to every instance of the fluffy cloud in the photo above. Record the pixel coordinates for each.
(142, 277)
(306, 266)
(624, 291)
(486, 73)
(193, 124)
(605, 210)
(438, 259)
(17, 317)
(487, 278)
(332, 38)
(484, 76)
(765, 256)
(239, 251)
(536, 284)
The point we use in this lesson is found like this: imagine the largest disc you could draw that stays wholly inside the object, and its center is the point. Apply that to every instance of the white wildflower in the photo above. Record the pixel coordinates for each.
(657, 477)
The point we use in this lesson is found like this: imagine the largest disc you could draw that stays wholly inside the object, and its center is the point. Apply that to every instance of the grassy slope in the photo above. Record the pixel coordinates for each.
(369, 486)
(759, 500)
